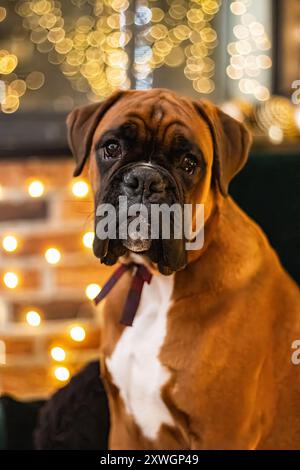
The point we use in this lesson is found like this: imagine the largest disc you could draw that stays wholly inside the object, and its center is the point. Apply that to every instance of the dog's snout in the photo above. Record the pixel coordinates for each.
(145, 181)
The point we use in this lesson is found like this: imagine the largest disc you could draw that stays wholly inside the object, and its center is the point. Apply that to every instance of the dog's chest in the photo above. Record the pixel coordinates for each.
(134, 365)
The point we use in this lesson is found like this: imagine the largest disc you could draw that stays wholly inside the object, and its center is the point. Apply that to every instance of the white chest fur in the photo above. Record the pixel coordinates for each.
(134, 365)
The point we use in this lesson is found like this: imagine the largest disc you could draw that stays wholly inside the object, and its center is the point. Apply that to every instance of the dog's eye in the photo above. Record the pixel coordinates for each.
(112, 149)
(189, 164)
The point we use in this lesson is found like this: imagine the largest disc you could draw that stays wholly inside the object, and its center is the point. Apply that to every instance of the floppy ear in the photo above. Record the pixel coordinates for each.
(82, 123)
(231, 143)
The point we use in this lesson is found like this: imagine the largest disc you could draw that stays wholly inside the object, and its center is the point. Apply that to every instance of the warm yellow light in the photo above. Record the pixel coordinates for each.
(92, 291)
(11, 280)
(77, 333)
(36, 189)
(10, 103)
(62, 373)
(276, 134)
(35, 80)
(88, 239)
(33, 318)
(262, 93)
(10, 243)
(238, 8)
(80, 189)
(52, 255)
(297, 117)
(58, 353)
(8, 63)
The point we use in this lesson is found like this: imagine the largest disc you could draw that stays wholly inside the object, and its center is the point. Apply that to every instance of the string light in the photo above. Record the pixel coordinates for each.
(276, 134)
(8, 62)
(88, 239)
(276, 118)
(10, 243)
(246, 60)
(185, 34)
(11, 280)
(238, 8)
(58, 354)
(36, 189)
(62, 373)
(92, 290)
(90, 52)
(35, 80)
(80, 189)
(33, 318)
(77, 333)
(52, 255)
(142, 70)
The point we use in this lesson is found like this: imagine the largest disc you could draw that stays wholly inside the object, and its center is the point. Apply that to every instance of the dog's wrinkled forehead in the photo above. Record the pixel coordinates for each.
(156, 116)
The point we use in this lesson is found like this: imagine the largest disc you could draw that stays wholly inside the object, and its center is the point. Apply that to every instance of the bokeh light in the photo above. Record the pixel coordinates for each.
(92, 290)
(36, 189)
(62, 373)
(11, 279)
(52, 255)
(10, 243)
(33, 318)
(80, 189)
(58, 353)
(35, 80)
(88, 239)
(77, 333)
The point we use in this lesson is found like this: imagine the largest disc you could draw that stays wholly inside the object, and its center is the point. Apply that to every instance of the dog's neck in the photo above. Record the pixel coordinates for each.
(131, 257)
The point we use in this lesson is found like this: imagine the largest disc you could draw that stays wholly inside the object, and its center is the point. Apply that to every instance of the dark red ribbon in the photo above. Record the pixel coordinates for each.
(140, 275)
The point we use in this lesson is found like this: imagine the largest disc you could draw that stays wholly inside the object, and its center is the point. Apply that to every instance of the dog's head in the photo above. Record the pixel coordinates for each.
(155, 147)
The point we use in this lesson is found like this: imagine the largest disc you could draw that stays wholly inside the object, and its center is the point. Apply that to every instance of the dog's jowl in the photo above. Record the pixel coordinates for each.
(206, 363)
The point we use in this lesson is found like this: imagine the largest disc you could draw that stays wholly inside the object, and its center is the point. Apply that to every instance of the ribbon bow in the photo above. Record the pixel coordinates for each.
(140, 275)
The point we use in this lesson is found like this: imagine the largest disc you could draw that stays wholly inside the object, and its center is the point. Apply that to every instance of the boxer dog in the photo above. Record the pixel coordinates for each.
(207, 363)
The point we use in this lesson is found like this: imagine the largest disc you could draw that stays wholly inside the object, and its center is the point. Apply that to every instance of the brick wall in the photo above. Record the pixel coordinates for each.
(56, 219)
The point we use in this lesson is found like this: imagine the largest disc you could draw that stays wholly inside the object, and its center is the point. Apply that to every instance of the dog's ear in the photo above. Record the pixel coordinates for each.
(82, 123)
(231, 142)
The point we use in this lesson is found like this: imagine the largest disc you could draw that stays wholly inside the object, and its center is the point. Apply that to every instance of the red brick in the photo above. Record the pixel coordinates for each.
(54, 173)
(19, 346)
(27, 382)
(82, 209)
(81, 276)
(28, 279)
(25, 210)
(55, 310)
(69, 242)
(91, 341)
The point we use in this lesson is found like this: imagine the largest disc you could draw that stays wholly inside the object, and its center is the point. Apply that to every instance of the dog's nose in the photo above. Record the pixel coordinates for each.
(147, 181)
